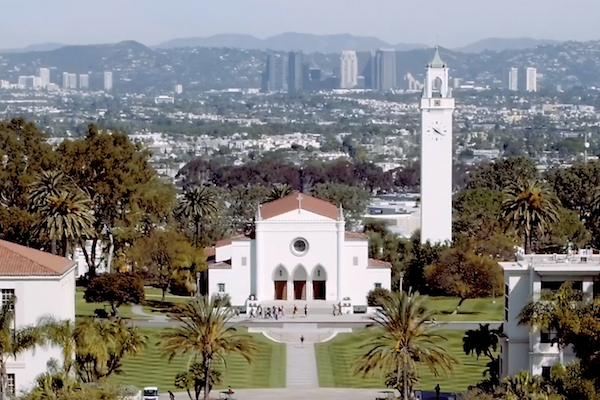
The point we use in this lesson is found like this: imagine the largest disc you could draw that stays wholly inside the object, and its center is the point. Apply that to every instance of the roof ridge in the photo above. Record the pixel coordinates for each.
(24, 256)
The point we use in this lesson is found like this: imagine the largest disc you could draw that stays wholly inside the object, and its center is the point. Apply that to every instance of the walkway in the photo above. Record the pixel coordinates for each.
(290, 394)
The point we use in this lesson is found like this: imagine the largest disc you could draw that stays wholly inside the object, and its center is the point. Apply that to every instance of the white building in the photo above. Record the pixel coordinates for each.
(162, 99)
(437, 106)
(84, 81)
(69, 80)
(348, 70)
(513, 79)
(178, 89)
(531, 79)
(524, 280)
(45, 77)
(108, 81)
(300, 251)
(44, 285)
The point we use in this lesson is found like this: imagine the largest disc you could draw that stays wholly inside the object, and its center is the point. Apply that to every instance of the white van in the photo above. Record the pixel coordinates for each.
(150, 393)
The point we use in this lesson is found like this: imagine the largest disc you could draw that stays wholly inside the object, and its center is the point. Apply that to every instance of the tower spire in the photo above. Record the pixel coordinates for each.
(436, 61)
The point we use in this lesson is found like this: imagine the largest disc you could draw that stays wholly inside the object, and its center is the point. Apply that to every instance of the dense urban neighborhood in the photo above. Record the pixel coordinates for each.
(193, 220)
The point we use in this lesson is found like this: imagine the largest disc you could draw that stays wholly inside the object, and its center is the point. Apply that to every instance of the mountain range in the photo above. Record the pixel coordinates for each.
(310, 43)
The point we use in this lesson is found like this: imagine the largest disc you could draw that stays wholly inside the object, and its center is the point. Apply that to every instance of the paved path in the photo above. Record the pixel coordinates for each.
(290, 394)
(138, 310)
(301, 366)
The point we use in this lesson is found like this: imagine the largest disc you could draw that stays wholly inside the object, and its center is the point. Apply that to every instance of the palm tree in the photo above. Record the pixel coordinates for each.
(530, 207)
(205, 333)
(401, 337)
(197, 204)
(48, 184)
(558, 312)
(14, 341)
(102, 345)
(66, 216)
(279, 191)
(482, 341)
(526, 386)
(61, 333)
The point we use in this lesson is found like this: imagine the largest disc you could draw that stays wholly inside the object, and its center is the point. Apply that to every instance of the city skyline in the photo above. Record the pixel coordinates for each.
(157, 22)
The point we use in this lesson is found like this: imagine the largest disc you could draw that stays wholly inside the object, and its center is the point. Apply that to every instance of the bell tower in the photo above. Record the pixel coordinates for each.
(437, 107)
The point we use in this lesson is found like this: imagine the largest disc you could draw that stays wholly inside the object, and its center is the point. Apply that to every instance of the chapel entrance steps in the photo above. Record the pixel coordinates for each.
(315, 307)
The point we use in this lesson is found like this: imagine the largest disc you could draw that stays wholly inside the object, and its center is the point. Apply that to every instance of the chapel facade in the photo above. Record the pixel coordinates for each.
(300, 251)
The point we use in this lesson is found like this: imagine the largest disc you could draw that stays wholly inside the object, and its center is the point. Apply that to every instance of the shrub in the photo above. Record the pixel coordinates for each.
(376, 295)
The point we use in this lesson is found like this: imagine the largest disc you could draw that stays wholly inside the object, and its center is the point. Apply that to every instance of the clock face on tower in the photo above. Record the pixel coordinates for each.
(436, 132)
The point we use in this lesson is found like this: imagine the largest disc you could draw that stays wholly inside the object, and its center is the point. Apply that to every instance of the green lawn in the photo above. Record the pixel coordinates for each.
(335, 361)
(486, 309)
(153, 304)
(149, 369)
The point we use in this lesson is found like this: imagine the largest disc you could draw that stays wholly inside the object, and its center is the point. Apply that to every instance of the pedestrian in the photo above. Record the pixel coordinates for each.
(171, 395)
(302, 340)
(295, 311)
(306, 310)
(334, 310)
(340, 308)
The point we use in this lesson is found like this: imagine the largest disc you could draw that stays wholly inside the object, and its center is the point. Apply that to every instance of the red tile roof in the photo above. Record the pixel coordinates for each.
(356, 235)
(373, 263)
(292, 202)
(17, 260)
(210, 251)
(226, 264)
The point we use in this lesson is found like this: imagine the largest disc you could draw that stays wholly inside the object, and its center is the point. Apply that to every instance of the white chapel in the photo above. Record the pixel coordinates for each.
(300, 251)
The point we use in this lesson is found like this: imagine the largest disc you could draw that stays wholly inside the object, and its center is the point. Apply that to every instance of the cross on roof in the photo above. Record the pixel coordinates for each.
(299, 198)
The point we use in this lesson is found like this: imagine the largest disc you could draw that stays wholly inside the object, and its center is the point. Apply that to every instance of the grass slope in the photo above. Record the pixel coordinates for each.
(335, 361)
(149, 369)
(154, 304)
(487, 309)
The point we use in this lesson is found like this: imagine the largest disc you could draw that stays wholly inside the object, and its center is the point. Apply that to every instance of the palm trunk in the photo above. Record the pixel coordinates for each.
(405, 380)
(206, 378)
(63, 244)
(53, 246)
(3, 379)
(527, 243)
(198, 229)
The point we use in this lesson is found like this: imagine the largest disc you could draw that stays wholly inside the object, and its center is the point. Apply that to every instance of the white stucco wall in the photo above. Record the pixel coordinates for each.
(523, 350)
(237, 279)
(274, 240)
(38, 297)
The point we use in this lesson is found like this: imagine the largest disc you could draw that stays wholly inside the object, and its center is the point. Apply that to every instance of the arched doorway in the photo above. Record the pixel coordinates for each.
(300, 277)
(280, 282)
(319, 282)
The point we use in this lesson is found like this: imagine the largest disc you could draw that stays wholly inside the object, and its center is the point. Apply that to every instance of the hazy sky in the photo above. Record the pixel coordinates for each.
(448, 23)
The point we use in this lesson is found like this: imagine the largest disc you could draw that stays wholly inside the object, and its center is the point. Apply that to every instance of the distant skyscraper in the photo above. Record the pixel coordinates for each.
(37, 83)
(45, 77)
(72, 81)
(531, 79)
(65, 80)
(84, 81)
(178, 89)
(108, 81)
(294, 77)
(513, 79)
(275, 77)
(348, 70)
(385, 69)
(366, 67)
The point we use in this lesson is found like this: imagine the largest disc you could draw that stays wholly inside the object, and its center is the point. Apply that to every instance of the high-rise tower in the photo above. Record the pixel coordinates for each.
(437, 106)
(348, 70)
